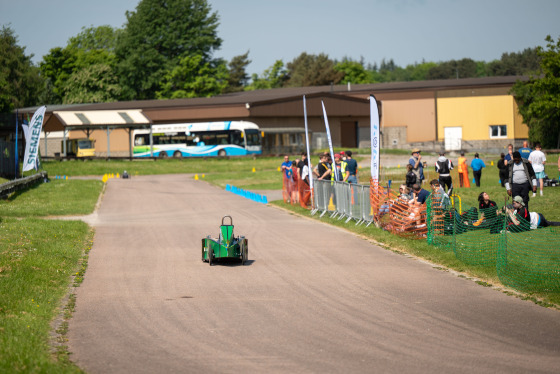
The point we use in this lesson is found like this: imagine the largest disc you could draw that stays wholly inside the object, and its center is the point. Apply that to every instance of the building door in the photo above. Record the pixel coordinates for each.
(453, 137)
(348, 134)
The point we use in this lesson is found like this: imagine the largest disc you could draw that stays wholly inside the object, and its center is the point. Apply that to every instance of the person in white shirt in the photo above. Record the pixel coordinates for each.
(537, 160)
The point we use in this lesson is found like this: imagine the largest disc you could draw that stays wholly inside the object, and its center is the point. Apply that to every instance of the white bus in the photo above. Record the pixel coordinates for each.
(227, 138)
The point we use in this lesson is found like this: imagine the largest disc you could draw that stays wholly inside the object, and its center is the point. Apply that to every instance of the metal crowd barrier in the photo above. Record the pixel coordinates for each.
(342, 200)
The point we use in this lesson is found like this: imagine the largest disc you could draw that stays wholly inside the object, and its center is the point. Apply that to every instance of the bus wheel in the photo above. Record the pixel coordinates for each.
(177, 154)
(163, 154)
(222, 153)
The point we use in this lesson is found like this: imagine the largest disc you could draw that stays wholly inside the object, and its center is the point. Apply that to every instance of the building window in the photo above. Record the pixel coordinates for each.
(498, 131)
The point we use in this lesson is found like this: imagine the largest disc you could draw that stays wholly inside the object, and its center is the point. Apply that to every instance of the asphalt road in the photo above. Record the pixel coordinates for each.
(313, 298)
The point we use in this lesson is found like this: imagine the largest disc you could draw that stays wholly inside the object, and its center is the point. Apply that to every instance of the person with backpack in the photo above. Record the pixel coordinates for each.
(521, 178)
(443, 168)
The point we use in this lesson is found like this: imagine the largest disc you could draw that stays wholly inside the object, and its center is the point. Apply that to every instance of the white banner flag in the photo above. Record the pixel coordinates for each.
(307, 144)
(374, 118)
(330, 140)
(32, 141)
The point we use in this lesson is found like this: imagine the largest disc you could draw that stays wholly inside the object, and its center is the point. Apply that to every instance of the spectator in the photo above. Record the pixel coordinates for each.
(523, 220)
(323, 170)
(509, 157)
(525, 151)
(440, 198)
(294, 184)
(351, 169)
(286, 169)
(405, 193)
(419, 194)
(301, 163)
(537, 160)
(410, 176)
(463, 171)
(287, 163)
(520, 176)
(417, 166)
(444, 167)
(484, 201)
(306, 188)
(343, 155)
(502, 166)
(336, 174)
(477, 164)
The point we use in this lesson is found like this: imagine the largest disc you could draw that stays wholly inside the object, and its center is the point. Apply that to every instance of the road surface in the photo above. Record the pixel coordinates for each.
(313, 298)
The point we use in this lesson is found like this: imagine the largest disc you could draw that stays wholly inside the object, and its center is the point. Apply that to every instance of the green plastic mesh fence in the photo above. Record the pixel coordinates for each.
(526, 258)
(529, 260)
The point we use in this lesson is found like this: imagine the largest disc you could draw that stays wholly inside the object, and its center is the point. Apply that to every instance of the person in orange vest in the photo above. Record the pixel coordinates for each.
(463, 171)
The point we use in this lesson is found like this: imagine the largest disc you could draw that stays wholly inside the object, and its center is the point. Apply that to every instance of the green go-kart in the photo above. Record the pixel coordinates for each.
(226, 246)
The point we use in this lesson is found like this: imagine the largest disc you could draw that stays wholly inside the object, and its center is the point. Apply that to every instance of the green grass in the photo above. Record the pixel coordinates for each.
(59, 197)
(37, 259)
(442, 259)
(38, 256)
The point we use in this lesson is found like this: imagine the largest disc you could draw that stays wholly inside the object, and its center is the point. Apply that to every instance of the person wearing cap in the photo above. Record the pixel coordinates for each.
(443, 168)
(336, 174)
(477, 164)
(521, 178)
(523, 220)
(417, 166)
(342, 156)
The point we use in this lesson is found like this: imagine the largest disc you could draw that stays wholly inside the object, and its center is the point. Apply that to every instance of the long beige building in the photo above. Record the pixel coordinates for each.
(470, 114)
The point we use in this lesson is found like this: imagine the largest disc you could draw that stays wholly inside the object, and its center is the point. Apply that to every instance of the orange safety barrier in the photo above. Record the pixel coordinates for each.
(290, 189)
(396, 213)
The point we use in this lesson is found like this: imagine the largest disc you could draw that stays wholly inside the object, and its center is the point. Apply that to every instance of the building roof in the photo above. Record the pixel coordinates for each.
(263, 97)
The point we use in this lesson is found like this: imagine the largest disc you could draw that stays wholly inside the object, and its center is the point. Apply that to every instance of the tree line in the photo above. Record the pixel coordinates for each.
(166, 50)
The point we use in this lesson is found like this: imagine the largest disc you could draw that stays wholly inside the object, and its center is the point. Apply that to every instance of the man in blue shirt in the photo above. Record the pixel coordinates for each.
(477, 164)
(351, 169)
(525, 151)
(419, 194)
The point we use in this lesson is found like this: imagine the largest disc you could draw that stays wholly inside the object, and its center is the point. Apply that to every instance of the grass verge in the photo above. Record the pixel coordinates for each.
(442, 260)
(37, 261)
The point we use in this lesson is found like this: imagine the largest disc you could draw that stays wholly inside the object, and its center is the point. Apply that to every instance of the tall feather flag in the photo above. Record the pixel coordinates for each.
(330, 140)
(307, 145)
(374, 118)
(17, 152)
(33, 134)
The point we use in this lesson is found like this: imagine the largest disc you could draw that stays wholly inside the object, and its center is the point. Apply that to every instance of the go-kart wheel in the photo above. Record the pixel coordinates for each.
(243, 252)
(210, 256)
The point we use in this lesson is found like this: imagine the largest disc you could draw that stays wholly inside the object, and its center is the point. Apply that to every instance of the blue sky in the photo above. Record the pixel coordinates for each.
(407, 31)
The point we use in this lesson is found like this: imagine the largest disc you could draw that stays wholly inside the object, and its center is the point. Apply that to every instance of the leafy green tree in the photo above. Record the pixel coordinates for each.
(273, 77)
(312, 70)
(454, 69)
(194, 77)
(516, 63)
(539, 97)
(95, 83)
(157, 36)
(354, 72)
(66, 69)
(238, 77)
(20, 82)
